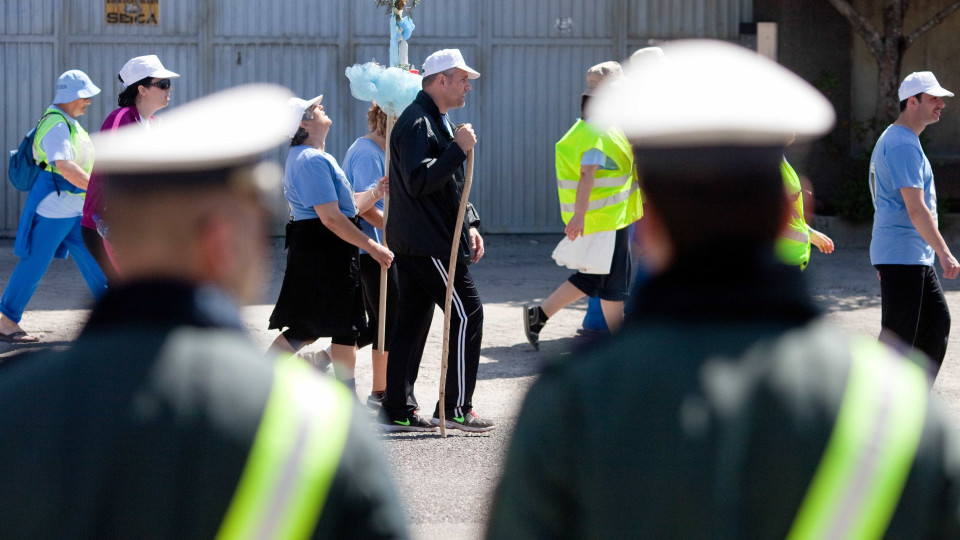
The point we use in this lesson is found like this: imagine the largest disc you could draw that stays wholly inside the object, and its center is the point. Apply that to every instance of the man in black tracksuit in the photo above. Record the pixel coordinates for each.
(426, 179)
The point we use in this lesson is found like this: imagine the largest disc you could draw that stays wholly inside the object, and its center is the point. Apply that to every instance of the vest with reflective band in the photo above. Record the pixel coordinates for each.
(79, 141)
(793, 245)
(294, 457)
(858, 483)
(615, 198)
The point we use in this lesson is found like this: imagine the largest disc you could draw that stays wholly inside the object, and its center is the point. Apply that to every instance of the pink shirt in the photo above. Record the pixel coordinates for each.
(92, 204)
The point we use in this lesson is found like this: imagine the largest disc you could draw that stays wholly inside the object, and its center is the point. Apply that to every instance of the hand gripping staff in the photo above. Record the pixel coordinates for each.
(451, 273)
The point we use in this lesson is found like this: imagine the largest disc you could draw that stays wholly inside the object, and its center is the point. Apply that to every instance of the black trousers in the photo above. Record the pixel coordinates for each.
(422, 283)
(370, 278)
(914, 308)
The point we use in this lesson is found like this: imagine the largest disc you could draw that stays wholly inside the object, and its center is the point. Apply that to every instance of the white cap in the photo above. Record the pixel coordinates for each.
(445, 59)
(298, 106)
(711, 93)
(640, 53)
(201, 135)
(921, 82)
(142, 67)
(73, 85)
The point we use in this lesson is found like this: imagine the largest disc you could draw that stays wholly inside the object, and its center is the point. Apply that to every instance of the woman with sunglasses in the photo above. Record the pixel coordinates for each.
(146, 90)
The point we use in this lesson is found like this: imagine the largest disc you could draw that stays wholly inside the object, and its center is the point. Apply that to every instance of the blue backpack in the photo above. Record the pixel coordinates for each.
(23, 170)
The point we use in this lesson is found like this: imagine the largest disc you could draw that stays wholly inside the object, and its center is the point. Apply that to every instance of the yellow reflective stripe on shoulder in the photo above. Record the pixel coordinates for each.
(598, 182)
(861, 475)
(294, 457)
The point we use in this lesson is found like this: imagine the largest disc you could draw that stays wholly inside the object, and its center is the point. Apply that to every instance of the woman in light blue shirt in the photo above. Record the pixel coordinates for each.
(321, 294)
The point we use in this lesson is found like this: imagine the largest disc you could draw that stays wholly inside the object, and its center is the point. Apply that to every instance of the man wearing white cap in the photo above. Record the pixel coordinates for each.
(427, 156)
(905, 235)
(164, 420)
(724, 408)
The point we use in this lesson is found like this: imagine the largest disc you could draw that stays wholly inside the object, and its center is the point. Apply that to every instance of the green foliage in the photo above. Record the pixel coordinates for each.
(852, 201)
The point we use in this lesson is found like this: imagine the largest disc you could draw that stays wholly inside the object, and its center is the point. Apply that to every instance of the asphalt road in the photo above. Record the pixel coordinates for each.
(446, 484)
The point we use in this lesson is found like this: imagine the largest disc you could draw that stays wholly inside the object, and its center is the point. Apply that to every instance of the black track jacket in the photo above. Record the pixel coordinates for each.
(426, 179)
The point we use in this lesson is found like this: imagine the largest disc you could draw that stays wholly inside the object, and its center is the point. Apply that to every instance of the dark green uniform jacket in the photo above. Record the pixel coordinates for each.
(142, 429)
(706, 417)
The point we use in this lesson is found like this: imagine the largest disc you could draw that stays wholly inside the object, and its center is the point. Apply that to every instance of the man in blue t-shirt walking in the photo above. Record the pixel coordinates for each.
(905, 234)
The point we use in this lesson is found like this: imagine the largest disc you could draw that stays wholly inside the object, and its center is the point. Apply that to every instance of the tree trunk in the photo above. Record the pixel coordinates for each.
(888, 83)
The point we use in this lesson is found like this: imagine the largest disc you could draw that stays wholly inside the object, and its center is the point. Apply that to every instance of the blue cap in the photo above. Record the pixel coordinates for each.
(74, 84)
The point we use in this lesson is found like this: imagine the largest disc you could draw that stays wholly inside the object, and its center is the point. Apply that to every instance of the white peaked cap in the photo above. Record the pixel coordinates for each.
(217, 131)
(711, 93)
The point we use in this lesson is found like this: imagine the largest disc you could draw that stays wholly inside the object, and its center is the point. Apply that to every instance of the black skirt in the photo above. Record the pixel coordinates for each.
(321, 294)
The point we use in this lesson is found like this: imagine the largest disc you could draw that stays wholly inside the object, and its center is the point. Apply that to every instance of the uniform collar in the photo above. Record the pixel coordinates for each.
(727, 286)
(163, 303)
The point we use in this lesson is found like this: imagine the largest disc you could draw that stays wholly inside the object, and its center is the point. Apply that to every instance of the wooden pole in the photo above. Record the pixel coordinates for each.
(381, 315)
(451, 273)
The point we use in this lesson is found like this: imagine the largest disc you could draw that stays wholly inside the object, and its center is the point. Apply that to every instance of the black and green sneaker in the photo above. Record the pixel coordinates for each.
(470, 421)
(533, 321)
(412, 423)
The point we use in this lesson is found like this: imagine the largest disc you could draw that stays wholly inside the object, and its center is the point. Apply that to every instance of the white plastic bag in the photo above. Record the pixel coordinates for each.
(590, 254)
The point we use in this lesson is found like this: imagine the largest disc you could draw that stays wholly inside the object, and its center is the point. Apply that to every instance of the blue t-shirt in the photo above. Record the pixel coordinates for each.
(897, 162)
(312, 177)
(364, 165)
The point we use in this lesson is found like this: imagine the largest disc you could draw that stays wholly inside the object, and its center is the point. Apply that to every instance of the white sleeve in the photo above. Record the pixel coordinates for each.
(56, 143)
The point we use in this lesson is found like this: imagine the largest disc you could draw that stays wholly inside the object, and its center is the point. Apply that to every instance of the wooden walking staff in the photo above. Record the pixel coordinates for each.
(448, 297)
(382, 320)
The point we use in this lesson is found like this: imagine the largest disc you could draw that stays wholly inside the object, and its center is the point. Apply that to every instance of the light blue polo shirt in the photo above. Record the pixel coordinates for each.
(364, 165)
(312, 177)
(897, 162)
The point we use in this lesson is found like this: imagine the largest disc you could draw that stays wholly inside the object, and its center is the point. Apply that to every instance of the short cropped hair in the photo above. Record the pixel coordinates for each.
(710, 198)
(903, 104)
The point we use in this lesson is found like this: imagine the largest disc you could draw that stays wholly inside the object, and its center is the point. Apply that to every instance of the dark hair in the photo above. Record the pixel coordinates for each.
(583, 105)
(903, 104)
(301, 134)
(129, 94)
(713, 197)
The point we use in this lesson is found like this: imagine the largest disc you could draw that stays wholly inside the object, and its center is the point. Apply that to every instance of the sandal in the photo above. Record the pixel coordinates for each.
(18, 337)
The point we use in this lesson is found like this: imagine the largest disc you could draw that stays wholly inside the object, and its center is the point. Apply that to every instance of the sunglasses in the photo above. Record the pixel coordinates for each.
(163, 84)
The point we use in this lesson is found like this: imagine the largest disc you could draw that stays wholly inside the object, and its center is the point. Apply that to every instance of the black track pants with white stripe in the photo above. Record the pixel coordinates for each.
(423, 283)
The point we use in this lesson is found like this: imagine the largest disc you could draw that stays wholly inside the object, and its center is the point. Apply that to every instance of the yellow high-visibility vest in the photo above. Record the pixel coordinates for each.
(79, 141)
(793, 245)
(615, 199)
(294, 457)
(860, 478)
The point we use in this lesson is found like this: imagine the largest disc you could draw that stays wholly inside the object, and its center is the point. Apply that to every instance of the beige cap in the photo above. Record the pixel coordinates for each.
(602, 72)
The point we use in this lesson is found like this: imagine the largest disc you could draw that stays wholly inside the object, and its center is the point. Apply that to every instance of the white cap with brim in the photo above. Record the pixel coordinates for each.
(711, 93)
(142, 67)
(205, 134)
(445, 59)
(298, 106)
(73, 85)
(921, 82)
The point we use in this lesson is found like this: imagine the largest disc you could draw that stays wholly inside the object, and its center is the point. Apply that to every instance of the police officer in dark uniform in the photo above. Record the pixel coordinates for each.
(725, 408)
(165, 420)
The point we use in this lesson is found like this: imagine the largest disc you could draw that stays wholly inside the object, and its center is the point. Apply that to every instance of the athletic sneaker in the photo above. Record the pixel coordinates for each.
(532, 324)
(413, 423)
(375, 400)
(468, 422)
